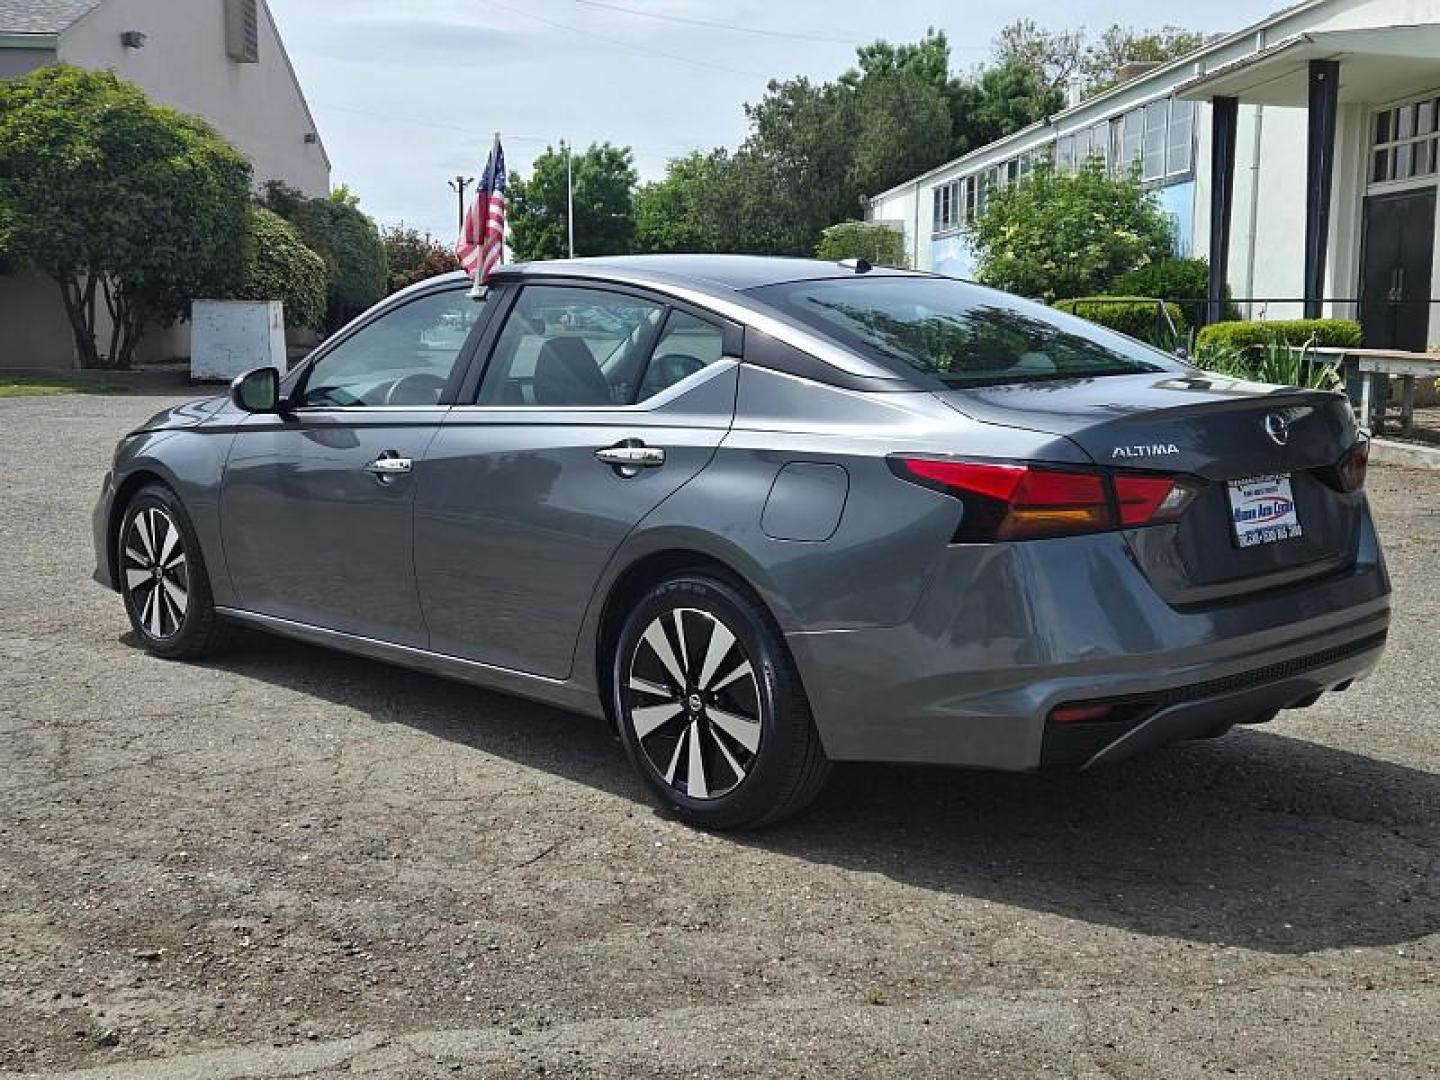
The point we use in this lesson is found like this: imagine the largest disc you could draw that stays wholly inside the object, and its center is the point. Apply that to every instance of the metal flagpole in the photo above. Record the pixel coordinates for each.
(570, 194)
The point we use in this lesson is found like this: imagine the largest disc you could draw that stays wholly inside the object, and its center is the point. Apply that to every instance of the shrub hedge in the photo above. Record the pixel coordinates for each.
(1325, 333)
(1175, 279)
(278, 266)
(1132, 315)
(877, 244)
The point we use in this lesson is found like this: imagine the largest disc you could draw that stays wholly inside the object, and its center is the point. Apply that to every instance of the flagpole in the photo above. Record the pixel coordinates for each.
(570, 195)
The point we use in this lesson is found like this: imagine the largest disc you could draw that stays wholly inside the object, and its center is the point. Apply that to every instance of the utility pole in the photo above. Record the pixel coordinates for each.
(570, 195)
(460, 185)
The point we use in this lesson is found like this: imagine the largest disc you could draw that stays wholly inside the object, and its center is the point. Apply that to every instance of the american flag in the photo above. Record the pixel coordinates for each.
(482, 240)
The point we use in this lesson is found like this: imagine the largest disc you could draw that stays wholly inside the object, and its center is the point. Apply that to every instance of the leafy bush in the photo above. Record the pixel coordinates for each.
(345, 237)
(1177, 280)
(278, 266)
(1321, 333)
(877, 244)
(413, 256)
(1132, 315)
(1068, 235)
(1274, 362)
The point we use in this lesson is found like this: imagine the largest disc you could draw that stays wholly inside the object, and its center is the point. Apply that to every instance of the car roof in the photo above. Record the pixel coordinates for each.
(707, 273)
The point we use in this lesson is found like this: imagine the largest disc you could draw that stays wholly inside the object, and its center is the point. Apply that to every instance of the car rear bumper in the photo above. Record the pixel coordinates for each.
(1007, 633)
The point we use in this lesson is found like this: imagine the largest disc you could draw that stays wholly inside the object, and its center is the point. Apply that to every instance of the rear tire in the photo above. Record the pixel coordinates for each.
(163, 578)
(710, 708)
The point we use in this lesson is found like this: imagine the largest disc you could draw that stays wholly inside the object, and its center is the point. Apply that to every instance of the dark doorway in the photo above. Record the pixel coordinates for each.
(1395, 269)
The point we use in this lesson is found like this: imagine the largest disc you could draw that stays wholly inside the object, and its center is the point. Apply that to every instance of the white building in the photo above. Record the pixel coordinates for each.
(219, 59)
(1299, 155)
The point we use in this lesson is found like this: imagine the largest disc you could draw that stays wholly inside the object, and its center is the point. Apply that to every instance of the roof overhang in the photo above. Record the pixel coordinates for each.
(29, 41)
(1376, 65)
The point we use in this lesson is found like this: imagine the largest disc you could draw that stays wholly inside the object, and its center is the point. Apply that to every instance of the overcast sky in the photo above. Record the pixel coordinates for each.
(407, 95)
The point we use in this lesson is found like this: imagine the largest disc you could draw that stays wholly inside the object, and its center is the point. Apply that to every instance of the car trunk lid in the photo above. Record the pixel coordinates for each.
(1212, 430)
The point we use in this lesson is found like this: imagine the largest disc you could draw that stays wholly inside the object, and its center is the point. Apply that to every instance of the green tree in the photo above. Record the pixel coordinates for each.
(131, 208)
(1121, 45)
(605, 181)
(1055, 57)
(346, 238)
(1061, 236)
(413, 256)
(278, 266)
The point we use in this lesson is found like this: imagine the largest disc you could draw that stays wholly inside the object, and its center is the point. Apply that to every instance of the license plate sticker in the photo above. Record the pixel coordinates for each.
(1262, 511)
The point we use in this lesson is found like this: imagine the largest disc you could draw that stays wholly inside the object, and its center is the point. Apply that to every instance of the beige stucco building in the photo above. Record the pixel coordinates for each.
(219, 59)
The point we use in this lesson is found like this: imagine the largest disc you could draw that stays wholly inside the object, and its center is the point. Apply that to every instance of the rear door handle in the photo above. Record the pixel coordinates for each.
(630, 457)
(389, 465)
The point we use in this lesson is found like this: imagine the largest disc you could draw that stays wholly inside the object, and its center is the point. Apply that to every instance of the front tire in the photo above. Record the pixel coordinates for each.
(710, 707)
(163, 578)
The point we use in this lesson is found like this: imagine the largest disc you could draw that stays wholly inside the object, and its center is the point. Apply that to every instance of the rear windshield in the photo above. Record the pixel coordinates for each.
(959, 333)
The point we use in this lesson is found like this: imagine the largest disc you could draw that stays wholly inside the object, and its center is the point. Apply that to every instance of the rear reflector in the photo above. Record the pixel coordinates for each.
(1081, 714)
(1025, 502)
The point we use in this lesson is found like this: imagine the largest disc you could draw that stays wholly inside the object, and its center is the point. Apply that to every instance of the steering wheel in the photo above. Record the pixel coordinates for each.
(665, 371)
(422, 388)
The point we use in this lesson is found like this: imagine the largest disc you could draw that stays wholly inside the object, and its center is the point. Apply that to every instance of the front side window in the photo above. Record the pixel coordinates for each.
(565, 347)
(404, 358)
(958, 333)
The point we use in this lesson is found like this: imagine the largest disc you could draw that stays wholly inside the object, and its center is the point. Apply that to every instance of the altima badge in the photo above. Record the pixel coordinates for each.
(1156, 450)
(1278, 428)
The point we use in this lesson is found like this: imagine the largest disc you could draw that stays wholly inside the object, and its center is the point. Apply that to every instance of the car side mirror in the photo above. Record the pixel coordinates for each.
(257, 391)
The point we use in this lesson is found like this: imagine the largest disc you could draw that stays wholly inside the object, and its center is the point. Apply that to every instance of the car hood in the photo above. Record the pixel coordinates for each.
(191, 414)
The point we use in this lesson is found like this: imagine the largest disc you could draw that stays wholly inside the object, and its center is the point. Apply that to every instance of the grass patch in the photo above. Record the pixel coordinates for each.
(18, 386)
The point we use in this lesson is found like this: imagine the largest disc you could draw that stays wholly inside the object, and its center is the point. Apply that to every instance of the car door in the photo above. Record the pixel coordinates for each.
(594, 406)
(316, 504)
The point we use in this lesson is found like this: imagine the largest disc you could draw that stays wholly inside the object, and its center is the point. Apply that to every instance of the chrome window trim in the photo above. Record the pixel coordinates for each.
(665, 397)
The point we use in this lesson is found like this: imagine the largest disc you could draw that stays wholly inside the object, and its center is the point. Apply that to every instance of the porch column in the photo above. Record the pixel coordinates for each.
(1224, 120)
(1320, 172)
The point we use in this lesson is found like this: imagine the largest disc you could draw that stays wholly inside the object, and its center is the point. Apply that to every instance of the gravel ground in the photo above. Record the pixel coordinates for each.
(292, 863)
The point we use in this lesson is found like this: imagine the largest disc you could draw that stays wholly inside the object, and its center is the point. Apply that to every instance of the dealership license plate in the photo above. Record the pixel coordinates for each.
(1262, 511)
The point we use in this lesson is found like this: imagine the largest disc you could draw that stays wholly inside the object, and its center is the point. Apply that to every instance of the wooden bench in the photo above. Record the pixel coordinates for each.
(1394, 363)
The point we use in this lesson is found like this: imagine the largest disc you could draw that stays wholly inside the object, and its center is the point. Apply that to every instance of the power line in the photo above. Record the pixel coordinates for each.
(794, 35)
(642, 50)
(415, 121)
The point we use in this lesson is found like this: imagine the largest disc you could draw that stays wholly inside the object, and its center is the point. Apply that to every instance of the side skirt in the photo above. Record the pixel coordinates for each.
(558, 692)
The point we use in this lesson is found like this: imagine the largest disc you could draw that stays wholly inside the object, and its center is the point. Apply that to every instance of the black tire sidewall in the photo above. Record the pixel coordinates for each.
(199, 612)
(764, 786)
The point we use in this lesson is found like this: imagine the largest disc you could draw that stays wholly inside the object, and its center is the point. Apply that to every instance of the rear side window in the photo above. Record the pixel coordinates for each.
(959, 333)
(576, 347)
(688, 345)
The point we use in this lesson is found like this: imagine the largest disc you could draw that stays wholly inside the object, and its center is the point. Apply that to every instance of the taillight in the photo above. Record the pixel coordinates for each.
(1151, 500)
(1353, 466)
(1025, 502)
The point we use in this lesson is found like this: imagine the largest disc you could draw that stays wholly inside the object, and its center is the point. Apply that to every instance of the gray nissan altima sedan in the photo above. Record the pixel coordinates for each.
(767, 514)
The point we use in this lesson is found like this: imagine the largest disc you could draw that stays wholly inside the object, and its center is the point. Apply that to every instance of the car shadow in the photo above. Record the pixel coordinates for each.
(1256, 840)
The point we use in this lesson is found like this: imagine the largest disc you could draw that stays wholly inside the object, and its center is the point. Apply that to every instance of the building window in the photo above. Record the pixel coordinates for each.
(1406, 143)
(1065, 154)
(1181, 153)
(1153, 159)
(1133, 140)
(1100, 145)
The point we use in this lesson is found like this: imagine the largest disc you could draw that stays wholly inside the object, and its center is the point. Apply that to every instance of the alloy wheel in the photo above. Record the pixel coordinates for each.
(693, 703)
(156, 572)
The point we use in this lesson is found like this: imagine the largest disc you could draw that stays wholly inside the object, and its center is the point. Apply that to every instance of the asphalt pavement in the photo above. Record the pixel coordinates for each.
(290, 862)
